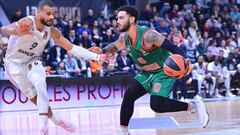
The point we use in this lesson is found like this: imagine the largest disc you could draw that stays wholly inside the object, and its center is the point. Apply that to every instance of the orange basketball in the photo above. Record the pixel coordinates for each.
(175, 66)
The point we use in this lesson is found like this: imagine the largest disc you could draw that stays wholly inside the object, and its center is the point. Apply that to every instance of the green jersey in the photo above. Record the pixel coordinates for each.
(153, 78)
(150, 60)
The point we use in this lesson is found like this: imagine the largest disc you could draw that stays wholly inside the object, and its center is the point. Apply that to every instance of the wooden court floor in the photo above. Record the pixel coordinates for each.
(224, 120)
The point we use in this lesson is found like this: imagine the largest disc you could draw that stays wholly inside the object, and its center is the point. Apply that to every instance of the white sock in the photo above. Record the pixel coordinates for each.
(123, 129)
(43, 121)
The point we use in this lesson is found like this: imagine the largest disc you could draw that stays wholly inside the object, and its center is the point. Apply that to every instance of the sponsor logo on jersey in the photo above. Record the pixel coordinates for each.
(26, 52)
(151, 67)
(45, 35)
(142, 61)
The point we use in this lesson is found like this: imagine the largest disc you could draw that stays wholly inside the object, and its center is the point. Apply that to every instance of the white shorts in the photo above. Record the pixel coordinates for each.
(20, 75)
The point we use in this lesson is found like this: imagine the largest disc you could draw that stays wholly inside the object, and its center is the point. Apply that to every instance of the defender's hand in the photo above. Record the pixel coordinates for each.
(96, 50)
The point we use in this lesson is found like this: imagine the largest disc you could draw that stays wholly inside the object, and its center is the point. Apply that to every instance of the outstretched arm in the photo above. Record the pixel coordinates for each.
(112, 48)
(21, 27)
(77, 51)
(155, 38)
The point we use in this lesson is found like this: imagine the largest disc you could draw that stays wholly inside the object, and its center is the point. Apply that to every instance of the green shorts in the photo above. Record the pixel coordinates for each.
(156, 83)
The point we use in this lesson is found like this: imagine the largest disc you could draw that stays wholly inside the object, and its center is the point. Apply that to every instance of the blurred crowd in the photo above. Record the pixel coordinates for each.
(208, 32)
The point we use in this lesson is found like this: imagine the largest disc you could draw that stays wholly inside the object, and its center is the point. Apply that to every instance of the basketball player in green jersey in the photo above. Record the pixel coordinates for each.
(148, 49)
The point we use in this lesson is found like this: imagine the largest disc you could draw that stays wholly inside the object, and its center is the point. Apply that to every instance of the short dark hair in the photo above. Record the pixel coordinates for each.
(131, 10)
(48, 3)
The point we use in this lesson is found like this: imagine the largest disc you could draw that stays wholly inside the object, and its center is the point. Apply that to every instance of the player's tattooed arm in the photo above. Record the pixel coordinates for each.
(115, 46)
(21, 27)
(154, 38)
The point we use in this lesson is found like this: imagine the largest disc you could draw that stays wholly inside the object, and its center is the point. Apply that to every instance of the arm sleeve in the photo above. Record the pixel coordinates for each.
(172, 48)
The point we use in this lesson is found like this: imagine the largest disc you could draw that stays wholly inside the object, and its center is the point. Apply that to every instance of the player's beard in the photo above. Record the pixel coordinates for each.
(46, 23)
(125, 27)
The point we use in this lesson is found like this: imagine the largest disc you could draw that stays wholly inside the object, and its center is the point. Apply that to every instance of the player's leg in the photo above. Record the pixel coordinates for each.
(36, 72)
(161, 103)
(133, 92)
(18, 76)
(34, 101)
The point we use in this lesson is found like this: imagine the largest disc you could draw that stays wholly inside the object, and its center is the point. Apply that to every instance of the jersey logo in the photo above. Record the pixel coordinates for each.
(45, 35)
(26, 52)
(142, 61)
(157, 87)
(143, 52)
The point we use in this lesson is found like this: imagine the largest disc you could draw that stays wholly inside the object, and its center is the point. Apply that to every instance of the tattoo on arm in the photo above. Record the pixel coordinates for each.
(111, 48)
(153, 37)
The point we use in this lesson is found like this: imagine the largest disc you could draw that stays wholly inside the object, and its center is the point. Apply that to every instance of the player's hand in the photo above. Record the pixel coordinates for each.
(24, 27)
(96, 50)
(105, 57)
(189, 67)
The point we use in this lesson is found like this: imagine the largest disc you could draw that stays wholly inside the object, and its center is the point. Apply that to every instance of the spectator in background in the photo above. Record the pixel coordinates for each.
(56, 55)
(222, 60)
(181, 85)
(231, 65)
(89, 19)
(160, 26)
(85, 40)
(101, 18)
(210, 22)
(236, 55)
(173, 13)
(203, 78)
(192, 30)
(124, 63)
(73, 38)
(83, 65)
(114, 28)
(77, 22)
(213, 47)
(106, 25)
(71, 65)
(83, 28)
(61, 69)
(200, 21)
(146, 14)
(224, 48)
(208, 56)
(183, 26)
(64, 23)
(201, 49)
(222, 76)
(215, 29)
(108, 38)
(235, 14)
(206, 39)
(191, 50)
(17, 16)
(68, 28)
(218, 38)
(96, 33)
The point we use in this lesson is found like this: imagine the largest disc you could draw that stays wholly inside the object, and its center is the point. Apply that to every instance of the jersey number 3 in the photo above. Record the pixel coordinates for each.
(33, 46)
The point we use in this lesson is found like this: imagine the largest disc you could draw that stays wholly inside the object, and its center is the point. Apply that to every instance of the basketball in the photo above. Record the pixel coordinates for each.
(175, 66)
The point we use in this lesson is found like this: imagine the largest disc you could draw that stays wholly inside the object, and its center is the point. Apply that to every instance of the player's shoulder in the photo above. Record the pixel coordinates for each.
(151, 35)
